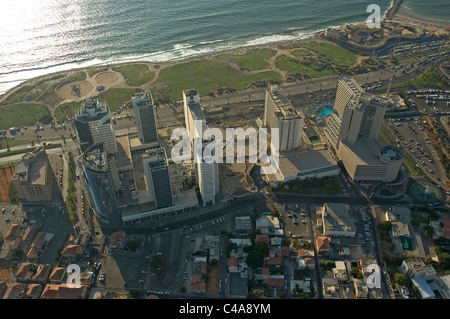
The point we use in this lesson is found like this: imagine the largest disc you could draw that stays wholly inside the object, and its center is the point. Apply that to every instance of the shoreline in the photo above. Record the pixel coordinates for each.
(390, 14)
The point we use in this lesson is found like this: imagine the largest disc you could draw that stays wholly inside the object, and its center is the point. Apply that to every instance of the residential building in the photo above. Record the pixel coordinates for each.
(145, 116)
(323, 244)
(33, 177)
(444, 284)
(243, 224)
(414, 268)
(63, 291)
(352, 131)
(336, 220)
(279, 113)
(94, 125)
(206, 168)
(102, 182)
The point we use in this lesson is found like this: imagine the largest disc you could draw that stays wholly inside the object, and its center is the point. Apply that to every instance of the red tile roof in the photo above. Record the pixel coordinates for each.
(275, 261)
(233, 262)
(39, 240)
(275, 282)
(24, 271)
(11, 232)
(72, 250)
(62, 292)
(57, 274)
(262, 239)
(323, 243)
(42, 273)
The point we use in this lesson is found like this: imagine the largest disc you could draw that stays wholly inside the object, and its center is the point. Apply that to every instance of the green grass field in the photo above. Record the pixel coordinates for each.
(253, 60)
(66, 109)
(414, 171)
(294, 66)
(23, 114)
(93, 72)
(207, 76)
(337, 55)
(430, 77)
(17, 96)
(115, 97)
(136, 74)
(300, 53)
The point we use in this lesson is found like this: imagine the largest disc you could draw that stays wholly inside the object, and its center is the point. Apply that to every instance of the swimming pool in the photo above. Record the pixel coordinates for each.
(326, 111)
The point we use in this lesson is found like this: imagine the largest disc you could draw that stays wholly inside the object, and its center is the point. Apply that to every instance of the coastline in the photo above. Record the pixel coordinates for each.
(390, 14)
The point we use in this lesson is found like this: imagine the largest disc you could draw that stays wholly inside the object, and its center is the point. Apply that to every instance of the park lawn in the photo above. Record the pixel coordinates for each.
(253, 60)
(429, 77)
(36, 91)
(414, 171)
(66, 110)
(17, 96)
(24, 114)
(206, 76)
(337, 55)
(136, 74)
(115, 97)
(294, 66)
(299, 53)
(92, 72)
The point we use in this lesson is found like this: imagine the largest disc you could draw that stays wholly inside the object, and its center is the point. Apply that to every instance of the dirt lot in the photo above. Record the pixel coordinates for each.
(6, 175)
(106, 77)
(66, 90)
(212, 286)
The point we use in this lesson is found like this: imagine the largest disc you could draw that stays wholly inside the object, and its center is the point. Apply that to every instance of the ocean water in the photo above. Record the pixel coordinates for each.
(42, 37)
(437, 11)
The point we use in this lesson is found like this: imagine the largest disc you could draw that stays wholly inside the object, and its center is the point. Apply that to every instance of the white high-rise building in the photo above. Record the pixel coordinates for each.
(207, 172)
(279, 113)
(352, 130)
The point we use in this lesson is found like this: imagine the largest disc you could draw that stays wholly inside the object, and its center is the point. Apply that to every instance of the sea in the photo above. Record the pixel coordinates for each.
(43, 37)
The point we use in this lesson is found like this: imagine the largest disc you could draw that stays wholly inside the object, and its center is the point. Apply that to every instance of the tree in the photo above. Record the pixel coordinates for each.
(401, 279)
(386, 226)
(134, 294)
(156, 263)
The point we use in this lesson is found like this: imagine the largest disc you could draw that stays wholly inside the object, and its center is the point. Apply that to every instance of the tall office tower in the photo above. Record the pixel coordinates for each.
(355, 114)
(156, 169)
(353, 128)
(144, 113)
(279, 113)
(102, 182)
(193, 112)
(207, 173)
(94, 125)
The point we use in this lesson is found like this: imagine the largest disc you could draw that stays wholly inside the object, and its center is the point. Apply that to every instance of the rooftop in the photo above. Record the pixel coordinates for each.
(365, 151)
(92, 110)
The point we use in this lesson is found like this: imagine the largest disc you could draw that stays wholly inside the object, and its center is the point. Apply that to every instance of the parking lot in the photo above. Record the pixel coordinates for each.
(296, 221)
(409, 134)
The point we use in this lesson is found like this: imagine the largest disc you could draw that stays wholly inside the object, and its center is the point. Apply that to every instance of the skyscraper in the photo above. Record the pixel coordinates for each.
(94, 125)
(156, 170)
(102, 182)
(144, 113)
(207, 172)
(353, 129)
(279, 113)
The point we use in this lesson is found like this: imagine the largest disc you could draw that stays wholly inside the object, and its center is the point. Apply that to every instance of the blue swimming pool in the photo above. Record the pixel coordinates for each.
(326, 111)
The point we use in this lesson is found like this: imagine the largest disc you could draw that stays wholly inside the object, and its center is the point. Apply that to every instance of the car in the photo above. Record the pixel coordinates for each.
(13, 211)
(3, 210)
(7, 220)
(304, 221)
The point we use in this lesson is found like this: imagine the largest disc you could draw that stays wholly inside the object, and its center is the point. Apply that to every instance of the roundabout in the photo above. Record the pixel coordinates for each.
(426, 192)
